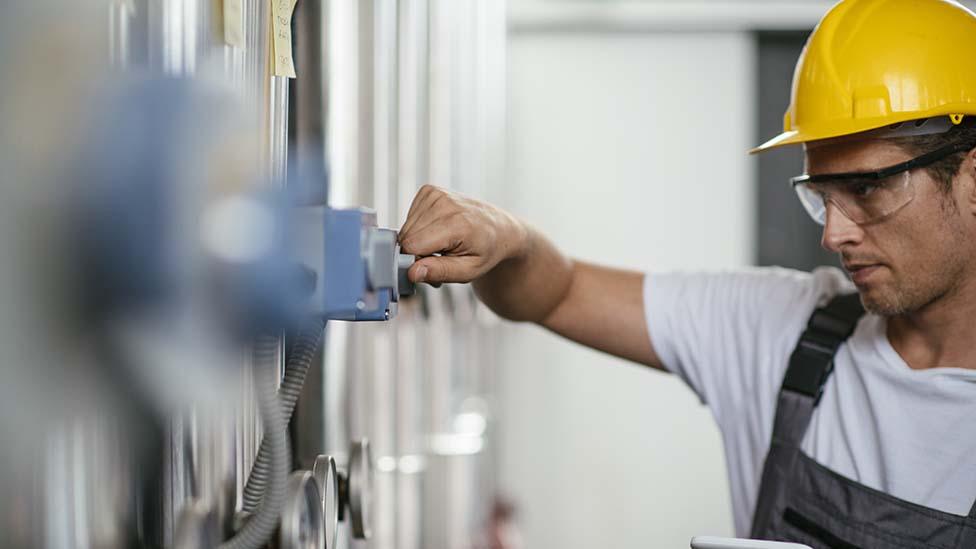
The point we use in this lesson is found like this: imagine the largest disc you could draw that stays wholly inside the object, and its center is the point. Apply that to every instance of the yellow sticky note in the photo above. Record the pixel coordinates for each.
(234, 23)
(281, 10)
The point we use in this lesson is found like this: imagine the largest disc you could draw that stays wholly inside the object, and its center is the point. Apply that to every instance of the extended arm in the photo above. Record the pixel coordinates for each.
(522, 276)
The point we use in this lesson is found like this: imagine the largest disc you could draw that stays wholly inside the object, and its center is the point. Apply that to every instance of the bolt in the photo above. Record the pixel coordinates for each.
(360, 305)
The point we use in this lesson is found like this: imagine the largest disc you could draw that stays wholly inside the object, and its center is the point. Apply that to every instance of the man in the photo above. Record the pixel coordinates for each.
(842, 428)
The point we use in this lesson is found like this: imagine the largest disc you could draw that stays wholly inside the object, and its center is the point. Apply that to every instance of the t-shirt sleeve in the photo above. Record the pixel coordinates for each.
(728, 335)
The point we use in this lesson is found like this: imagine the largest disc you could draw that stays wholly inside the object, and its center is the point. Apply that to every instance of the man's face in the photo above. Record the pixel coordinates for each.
(919, 254)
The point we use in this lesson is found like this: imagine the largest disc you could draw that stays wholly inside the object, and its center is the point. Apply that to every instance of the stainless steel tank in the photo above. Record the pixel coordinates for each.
(389, 95)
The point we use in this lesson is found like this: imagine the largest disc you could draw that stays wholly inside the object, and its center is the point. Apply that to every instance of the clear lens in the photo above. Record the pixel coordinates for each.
(861, 201)
(813, 202)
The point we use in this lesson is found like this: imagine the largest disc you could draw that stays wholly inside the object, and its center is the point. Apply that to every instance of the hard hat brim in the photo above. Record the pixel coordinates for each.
(854, 127)
(785, 138)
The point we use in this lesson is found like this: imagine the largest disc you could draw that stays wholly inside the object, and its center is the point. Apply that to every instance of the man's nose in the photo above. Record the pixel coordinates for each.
(839, 230)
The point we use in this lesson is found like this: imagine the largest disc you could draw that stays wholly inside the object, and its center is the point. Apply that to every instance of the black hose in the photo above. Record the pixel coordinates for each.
(296, 368)
(258, 530)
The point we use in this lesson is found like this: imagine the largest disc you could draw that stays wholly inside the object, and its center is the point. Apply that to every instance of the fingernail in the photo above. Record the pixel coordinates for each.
(421, 273)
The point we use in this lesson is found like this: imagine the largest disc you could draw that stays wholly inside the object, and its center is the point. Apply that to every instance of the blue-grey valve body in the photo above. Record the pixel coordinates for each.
(361, 273)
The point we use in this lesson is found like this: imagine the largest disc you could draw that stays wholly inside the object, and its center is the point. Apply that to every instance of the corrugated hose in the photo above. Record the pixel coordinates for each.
(296, 368)
(259, 529)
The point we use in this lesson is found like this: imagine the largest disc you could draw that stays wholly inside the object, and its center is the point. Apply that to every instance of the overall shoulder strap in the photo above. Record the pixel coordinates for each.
(813, 358)
(811, 364)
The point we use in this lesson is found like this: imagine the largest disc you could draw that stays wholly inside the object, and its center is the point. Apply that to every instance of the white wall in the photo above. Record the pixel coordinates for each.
(627, 149)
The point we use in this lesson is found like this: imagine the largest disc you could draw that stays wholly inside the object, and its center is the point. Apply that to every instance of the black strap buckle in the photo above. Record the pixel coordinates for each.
(812, 360)
(810, 365)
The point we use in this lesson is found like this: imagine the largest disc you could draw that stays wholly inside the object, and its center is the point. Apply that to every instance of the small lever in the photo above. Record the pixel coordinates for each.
(404, 287)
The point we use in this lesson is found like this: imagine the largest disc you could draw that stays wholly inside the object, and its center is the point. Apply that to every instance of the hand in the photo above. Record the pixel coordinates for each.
(471, 237)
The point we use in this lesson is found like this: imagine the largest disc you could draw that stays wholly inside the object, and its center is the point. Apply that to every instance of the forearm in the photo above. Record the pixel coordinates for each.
(604, 310)
(530, 285)
(600, 307)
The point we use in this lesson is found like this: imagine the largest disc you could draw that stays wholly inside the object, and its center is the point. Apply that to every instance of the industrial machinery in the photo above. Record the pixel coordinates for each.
(208, 335)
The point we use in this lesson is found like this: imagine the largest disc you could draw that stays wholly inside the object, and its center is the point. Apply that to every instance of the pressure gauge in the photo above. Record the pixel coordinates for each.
(301, 516)
(324, 472)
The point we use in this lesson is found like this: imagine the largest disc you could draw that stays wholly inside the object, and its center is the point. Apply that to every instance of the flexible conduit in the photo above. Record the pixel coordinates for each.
(296, 368)
(258, 530)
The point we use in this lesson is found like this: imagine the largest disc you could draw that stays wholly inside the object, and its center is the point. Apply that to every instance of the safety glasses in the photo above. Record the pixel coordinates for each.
(864, 197)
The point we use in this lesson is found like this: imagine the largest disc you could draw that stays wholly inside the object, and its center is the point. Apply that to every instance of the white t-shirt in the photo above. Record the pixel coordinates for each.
(910, 433)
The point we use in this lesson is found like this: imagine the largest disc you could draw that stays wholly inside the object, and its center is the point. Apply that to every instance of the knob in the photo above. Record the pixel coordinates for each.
(355, 489)
(324, 471)
(301, 516)
(404, 287)
(381, 259)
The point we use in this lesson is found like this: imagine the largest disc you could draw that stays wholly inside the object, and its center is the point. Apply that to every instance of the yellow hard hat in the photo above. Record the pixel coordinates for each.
(872, 63)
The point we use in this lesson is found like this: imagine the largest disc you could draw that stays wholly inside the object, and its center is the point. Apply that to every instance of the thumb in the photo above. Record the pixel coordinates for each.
(443, 269)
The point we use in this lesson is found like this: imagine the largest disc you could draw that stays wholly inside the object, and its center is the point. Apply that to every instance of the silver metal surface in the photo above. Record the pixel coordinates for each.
(183, 38)
(360, 489)
(665, 15)
(407, 466)
(307, 125)
(86, 480)
(307, 111)
(301, 517)
(399, 93)
(324, 472)
(196, 528)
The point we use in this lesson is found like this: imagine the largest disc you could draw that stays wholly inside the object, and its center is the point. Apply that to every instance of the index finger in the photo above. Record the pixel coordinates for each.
(437, 237)
(423, 201)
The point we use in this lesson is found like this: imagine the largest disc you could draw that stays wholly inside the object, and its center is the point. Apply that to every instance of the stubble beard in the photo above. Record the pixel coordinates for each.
(906, 296)
(894, 301)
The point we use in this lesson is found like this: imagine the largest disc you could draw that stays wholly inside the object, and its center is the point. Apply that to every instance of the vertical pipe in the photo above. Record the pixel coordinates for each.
(412, 172)
(307, 114)
(307, 118)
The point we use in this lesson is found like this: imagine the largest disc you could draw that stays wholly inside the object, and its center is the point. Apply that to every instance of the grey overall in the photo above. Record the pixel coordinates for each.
(803, 501)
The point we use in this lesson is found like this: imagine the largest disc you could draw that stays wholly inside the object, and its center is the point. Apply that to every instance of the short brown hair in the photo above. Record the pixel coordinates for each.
(945, 170)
